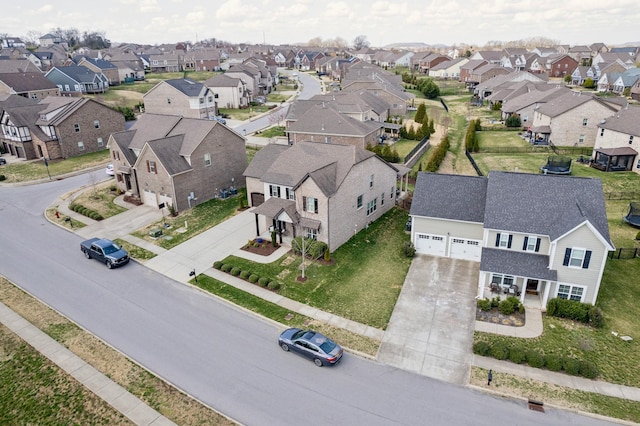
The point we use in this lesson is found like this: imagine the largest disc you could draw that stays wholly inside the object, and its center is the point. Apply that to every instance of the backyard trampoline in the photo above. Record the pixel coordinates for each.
(633, 217)
(557, 165)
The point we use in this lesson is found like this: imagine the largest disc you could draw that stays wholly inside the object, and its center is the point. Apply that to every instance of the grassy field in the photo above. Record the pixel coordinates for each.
(99, 198)
(404, 146)
(363, 283)
(33, 170)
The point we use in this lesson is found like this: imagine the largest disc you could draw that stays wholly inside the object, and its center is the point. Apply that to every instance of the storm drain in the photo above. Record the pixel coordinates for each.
(536, 405)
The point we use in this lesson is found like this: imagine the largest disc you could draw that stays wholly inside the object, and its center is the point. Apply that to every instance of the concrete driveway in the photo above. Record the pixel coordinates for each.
(431, 328)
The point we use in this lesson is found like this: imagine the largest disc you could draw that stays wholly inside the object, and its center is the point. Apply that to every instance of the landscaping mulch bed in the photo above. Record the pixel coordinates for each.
(265, 248)
(495, 316)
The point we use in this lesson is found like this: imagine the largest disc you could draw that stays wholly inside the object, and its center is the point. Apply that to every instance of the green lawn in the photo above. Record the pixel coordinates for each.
(23, 171)
(363, 283)
(200, 218)
(404, 146)
(616, 359)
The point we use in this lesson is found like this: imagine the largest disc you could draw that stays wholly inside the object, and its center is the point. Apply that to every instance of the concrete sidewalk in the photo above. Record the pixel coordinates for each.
(201, 251)
(112, 393)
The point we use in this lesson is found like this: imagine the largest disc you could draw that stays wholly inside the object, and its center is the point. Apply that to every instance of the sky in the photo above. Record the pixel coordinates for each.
(382, 22)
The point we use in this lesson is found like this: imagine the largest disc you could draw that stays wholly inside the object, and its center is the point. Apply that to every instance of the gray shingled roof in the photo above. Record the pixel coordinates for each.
(221, 80)
(568, 101)
(187, 86)
(625, 121)
(25, 82)
(533, 97)
(79, 74)
(263, 160)
(194, 131)
(544, 204)
(151, 126)
(123, 140)
(452, 197)
(326, 164)
(323, 120)
(167, 150)
(517, 263)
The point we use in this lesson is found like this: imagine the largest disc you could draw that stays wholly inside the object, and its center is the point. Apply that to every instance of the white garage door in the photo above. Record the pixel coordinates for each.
(434, 245)
(149, 198)
(462, 248)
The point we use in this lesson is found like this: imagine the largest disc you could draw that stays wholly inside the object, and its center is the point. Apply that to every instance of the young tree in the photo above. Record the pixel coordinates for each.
(420, 113)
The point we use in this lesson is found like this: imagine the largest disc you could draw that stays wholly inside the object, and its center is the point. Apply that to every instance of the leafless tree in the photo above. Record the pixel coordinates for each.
(360, 42)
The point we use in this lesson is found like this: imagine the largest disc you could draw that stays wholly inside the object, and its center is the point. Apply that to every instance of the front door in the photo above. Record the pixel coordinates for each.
(532, 286)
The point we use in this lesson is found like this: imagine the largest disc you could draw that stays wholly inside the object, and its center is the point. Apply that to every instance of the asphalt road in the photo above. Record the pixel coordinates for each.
(224, 356)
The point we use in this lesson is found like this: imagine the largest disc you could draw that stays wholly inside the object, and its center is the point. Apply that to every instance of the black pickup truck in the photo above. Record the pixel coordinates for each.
(105, 251)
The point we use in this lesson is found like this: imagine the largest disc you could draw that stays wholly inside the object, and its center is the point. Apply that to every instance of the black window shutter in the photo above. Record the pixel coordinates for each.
(278, 192)
(538, 245)
(510, 239)
(526, 241)
(587, 258)
(498, 240)
(567, 256)
(304, 204)
(315, 205)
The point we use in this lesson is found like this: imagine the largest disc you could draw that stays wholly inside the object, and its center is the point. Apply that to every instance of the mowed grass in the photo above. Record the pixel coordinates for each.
(22, 171)
(33, 390)
(198, 219)
(616, 359)
(364, 282)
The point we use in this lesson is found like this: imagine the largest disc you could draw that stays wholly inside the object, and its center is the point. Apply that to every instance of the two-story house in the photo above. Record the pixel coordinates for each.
(571, 119)
(178, 161)
(537, 236)
(76, 81)
(559, 65)
(231, 92)
(183, 97)
(58, 127)
(617, 142)
(448, 69)
(165, 62)
(325, 192)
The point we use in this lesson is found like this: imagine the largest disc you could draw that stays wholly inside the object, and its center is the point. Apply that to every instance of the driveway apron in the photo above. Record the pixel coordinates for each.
(431, 328)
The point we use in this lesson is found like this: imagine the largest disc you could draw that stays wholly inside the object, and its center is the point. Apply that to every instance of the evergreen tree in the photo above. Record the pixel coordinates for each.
(420, 113)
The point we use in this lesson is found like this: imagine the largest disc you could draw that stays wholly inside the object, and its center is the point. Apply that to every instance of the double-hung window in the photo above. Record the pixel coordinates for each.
(207, 159)
(372, 206)
(577, 258)
(310, 204)
(359, 202)
(531, 243)
(504, 240)
(274, 191)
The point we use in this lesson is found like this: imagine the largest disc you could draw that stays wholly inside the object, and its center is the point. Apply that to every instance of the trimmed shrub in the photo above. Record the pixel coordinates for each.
(553, 362)
(481, 348)
(2, 177)
(253, 278)
(499, 351)
(273, 285)
(517, 355)
(552, 307)
(571, 366)
(484, 304)
(235, 271)
(535, 359)
(508, 306)
(409, 249)
(263, 281)
(596, 318)
(244, 274)
(217, 264)
(317, 249)
(226, 267)
(495, 302)
(570, 309)
(588, 369)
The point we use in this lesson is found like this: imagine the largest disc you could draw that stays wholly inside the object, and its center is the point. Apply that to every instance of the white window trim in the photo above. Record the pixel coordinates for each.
(573, 250)
(504, 240)
(534, 240)
(571, 291)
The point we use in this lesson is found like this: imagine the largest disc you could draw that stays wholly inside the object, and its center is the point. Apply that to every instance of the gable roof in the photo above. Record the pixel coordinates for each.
(323, 120)
(568, 101)
(326, 164)
(26, 82)
(187, 86)
(626, 121)
(167, 151)
(544, 204)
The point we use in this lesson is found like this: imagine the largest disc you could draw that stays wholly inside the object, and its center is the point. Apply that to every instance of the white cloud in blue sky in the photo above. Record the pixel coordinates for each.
(383, 22)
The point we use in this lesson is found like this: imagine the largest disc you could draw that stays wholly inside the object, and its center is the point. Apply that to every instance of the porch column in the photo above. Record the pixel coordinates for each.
(545, 297)
(257, 225)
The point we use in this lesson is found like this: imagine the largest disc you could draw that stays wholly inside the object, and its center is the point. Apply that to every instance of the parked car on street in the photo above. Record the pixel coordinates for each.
(311, 344)
(2, 161)
(106, 251)
(109, 170)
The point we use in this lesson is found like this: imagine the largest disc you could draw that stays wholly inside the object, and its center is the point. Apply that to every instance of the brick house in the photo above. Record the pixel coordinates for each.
(559, 65)
(59, 127)
(325, 192)
(177, 161)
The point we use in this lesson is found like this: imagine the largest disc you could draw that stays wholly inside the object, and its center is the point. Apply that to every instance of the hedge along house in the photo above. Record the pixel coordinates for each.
(536, 236)
(322, 191)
